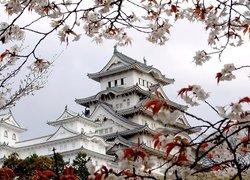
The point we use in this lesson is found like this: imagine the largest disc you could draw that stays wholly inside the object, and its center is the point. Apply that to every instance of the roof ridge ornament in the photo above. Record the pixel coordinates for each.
(66, 107)
(115, 48)
(145, 61)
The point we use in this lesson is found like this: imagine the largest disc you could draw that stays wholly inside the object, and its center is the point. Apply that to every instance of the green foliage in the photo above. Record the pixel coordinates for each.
(79, 163)
(18, 165)
(25, 168)
(57, 161)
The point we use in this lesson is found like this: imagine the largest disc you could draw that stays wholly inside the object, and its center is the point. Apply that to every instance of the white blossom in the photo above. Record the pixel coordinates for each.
(201, 57)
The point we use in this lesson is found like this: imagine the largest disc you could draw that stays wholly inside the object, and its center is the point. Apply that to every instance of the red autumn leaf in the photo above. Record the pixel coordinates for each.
(197, 10)
(209, 8)
(72, 32)
(104, 169)
(218, 76)
(154, 1)
(46, 10)
(150, 102)
(245, 99)
(174, 8)
(157, 144)
(184, 90)
(244, 149)
(244, 139)
(157, 107)
(246, 28)
(215, 168)
(128, 173)
(67, 177)
(49, 173)
(4, 54)
(7, 172)
(202, 15)
(204, 145)
(182, 157)
(156, 93)
(170, 146)
(129, 152)
(210, 155)
(141, 154)
(156, 136)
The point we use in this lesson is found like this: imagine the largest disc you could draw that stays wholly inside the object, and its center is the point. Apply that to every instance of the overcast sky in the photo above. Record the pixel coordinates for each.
(68, 79)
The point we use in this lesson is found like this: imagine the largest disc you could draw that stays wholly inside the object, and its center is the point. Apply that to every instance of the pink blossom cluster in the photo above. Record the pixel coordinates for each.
(226, 73)
(236, 111)
(192, 94)
(10, 33)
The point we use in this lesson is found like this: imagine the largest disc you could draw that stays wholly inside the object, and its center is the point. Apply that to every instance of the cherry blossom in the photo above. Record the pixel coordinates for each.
(235, 111)
(226, 73)
(193, 93)
(227, 24)
(201, 57)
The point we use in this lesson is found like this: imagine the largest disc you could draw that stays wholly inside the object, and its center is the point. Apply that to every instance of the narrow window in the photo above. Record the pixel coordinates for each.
(116, 83)
(109, 84)
(128, 102)
(122, 81)
(140, 81)
(14, 136)
(5, 133)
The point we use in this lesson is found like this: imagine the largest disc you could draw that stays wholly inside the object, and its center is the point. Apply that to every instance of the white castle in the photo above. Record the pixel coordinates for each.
(114, 118)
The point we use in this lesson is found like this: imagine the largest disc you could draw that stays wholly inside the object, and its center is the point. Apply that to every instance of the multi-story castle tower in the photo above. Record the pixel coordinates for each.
(114, 118)
(126, 84)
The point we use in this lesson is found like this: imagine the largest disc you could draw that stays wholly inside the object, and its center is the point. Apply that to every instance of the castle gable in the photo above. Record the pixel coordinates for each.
(104, 112)
(67, 114)
(182, 120)
(61, 133)
(9, 119)
(114, 63)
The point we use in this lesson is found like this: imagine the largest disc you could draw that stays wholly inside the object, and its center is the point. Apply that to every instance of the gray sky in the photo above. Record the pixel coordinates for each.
(68, 79)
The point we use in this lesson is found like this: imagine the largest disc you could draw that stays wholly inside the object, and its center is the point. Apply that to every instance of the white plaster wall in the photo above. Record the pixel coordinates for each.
(144, 76)
(8, 139)
(129, 80)
(116, 103)
(87, 128)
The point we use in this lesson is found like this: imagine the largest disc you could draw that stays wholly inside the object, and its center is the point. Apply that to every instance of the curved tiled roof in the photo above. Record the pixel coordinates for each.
(69, 115)
(123, 90)
(115, 90)
(140, 129)
(131, 64)
(118, 117)
(124, 141)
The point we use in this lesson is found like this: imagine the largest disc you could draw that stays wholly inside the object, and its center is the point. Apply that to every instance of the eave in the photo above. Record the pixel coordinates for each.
(130, 132)
(15, 128)
(148, 150)
(162, 79)
(116, 91)
(75, 118)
